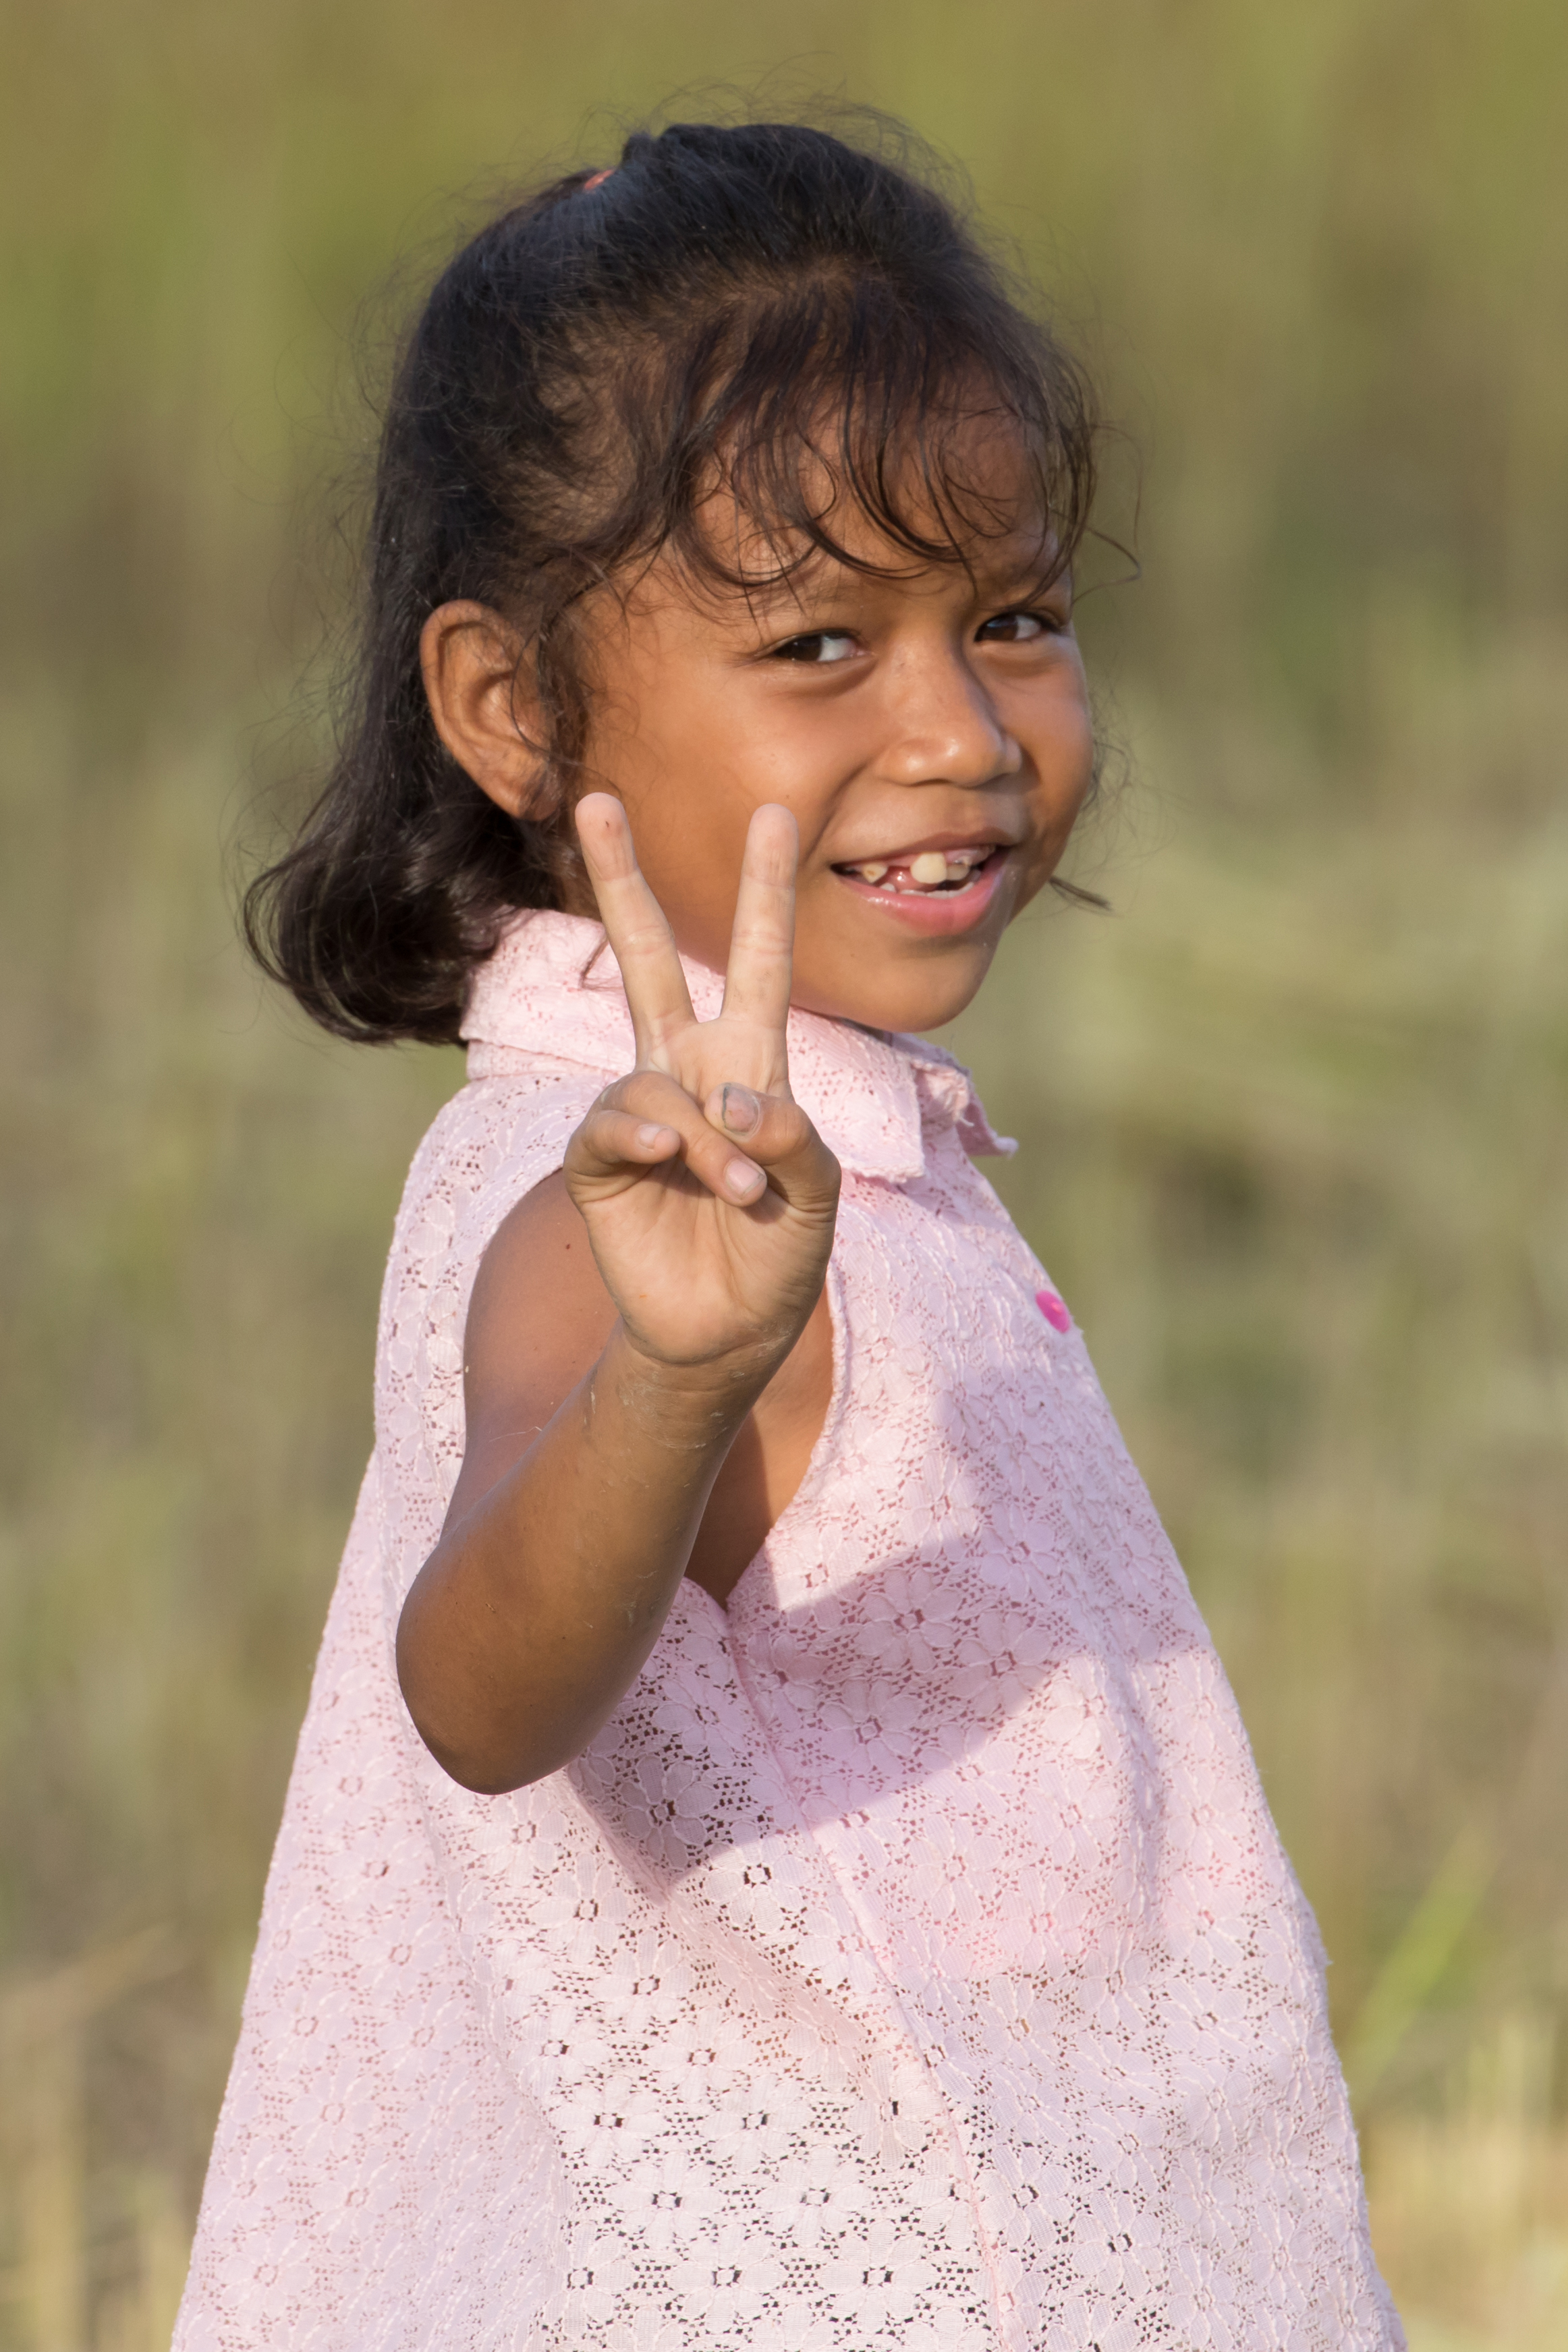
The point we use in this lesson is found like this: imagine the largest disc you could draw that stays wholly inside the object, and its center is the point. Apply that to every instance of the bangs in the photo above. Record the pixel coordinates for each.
(832, 401)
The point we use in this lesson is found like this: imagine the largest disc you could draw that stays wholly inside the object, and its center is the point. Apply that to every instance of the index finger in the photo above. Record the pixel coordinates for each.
(762, 945)
(634, 924)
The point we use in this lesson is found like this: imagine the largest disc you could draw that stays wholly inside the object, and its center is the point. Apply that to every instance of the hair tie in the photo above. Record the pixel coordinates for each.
(596, 181)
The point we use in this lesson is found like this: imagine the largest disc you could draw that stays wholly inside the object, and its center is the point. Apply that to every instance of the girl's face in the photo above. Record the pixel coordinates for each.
(930, 732)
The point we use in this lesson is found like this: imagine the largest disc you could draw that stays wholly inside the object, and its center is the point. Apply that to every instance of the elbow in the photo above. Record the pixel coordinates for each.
(485, 1769)
(480, 1776)
(488, 1760)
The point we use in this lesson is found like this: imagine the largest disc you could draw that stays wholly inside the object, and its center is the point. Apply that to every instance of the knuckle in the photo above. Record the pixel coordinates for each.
(588, 1146)
(650, 1093)
(640, 1093)
(707, 1150)
(791, 1126)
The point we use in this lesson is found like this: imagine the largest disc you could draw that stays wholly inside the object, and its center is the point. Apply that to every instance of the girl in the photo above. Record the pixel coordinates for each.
(772, 1859)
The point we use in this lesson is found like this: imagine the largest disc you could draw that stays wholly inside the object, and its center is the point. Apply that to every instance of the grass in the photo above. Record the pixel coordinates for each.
(1292, 1116)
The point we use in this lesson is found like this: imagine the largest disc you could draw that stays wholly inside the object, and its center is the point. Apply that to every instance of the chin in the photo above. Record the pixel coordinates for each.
(925, 993)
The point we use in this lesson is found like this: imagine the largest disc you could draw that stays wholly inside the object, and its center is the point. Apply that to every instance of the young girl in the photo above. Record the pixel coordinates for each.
(773, 1860)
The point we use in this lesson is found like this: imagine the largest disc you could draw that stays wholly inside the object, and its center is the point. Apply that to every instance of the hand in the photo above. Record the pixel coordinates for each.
(708, 1196)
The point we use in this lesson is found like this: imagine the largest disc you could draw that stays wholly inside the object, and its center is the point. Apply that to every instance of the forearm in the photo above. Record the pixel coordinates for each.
(537, 1609)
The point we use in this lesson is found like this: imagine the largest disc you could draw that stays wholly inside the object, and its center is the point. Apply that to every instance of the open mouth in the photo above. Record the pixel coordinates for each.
(933, 874)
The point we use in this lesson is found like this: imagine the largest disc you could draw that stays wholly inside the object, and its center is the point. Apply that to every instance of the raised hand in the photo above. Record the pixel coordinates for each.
(709, 1197)
(593, 1449)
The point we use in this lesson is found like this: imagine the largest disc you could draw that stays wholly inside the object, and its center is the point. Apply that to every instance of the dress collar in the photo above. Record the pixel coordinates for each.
(552, 992)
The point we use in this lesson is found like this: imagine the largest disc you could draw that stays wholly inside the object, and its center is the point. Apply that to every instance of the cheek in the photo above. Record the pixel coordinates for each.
(688, 809)
(796, 751)
(741, 746)
(1080, 756)
(1061, 745)
(670, 763)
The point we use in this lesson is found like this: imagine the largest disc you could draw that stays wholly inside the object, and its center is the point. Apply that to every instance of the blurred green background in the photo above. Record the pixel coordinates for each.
(1292, 1115)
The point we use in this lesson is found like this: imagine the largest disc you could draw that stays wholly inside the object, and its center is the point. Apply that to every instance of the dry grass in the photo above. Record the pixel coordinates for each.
(1293, 1117)
(1470, 2202)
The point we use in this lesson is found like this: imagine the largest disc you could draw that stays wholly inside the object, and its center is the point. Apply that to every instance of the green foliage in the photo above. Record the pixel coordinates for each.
(1292, 1116)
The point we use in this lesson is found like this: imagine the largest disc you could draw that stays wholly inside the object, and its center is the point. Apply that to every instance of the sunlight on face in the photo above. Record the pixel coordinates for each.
(927, 726)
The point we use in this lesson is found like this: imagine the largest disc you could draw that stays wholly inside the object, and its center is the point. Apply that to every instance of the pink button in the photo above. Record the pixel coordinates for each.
(1053, 1310)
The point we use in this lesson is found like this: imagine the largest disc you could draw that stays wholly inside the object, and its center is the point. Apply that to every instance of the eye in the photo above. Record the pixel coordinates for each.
(1017, 628)
(818, 645)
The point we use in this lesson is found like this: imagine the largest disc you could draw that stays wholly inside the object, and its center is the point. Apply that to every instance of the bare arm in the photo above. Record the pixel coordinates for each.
(629, 1318)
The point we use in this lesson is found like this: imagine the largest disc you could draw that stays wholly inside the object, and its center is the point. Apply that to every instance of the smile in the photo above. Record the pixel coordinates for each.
(947, 870)
(937, 889)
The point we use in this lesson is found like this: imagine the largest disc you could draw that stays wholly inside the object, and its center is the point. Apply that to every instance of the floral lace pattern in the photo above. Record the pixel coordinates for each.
(911, 1961)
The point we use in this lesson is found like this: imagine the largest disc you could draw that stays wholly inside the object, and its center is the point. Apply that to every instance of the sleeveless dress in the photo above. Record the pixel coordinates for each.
(911, 1961)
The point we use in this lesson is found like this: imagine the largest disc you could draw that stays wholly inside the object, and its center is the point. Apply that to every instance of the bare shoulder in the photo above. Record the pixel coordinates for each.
(538, 1320)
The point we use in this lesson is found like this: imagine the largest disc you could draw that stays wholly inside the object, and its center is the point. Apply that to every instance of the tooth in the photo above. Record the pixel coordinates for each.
(929, 866)
(870, 873)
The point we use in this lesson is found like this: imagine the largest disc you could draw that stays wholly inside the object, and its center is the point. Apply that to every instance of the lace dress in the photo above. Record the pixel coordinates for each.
(910, 1962)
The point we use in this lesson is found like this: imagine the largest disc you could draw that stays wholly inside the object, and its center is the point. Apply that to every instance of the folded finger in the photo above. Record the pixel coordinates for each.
(768, 1127)
(634, 923)
(774, 1131)
(648, 1100)
(609, 1140)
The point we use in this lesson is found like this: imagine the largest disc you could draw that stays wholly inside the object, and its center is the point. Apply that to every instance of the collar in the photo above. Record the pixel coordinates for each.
(552, 992)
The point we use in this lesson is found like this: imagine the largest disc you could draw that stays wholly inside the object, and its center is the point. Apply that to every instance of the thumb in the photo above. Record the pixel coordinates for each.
(774, 1131)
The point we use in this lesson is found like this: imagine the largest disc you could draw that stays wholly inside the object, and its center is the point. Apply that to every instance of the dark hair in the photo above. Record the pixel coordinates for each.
(727, 302)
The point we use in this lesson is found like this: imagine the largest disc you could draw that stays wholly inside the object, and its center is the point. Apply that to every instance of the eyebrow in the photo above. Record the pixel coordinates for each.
(819, 573)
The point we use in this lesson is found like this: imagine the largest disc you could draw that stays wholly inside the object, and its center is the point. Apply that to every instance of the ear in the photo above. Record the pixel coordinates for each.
(481, 699)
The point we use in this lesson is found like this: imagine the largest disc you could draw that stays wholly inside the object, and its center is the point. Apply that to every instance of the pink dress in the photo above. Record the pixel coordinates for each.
(911, 1962)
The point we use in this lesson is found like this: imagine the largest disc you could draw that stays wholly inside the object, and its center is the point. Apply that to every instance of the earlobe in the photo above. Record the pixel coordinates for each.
(479, 689)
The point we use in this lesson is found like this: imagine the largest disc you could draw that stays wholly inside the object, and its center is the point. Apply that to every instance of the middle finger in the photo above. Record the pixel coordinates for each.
(762, 945)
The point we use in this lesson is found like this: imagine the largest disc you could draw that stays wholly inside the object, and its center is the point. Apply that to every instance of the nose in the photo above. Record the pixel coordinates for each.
(943, 725)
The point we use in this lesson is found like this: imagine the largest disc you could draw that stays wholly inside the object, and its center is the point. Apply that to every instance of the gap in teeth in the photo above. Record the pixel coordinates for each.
(928, 871)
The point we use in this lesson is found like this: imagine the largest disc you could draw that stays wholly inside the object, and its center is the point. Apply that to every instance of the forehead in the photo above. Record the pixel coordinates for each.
(968, 492)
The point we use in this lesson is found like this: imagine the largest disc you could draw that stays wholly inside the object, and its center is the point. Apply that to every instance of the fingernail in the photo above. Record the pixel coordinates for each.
(740, 1176)
(741, 1109)
(650, 1133)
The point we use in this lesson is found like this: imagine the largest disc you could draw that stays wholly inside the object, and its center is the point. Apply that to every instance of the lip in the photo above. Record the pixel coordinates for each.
(946, 842)
(941, 917)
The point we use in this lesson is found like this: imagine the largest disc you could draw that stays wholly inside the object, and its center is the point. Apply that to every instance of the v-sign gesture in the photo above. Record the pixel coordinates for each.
(708, 1196)
(710, 1201)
